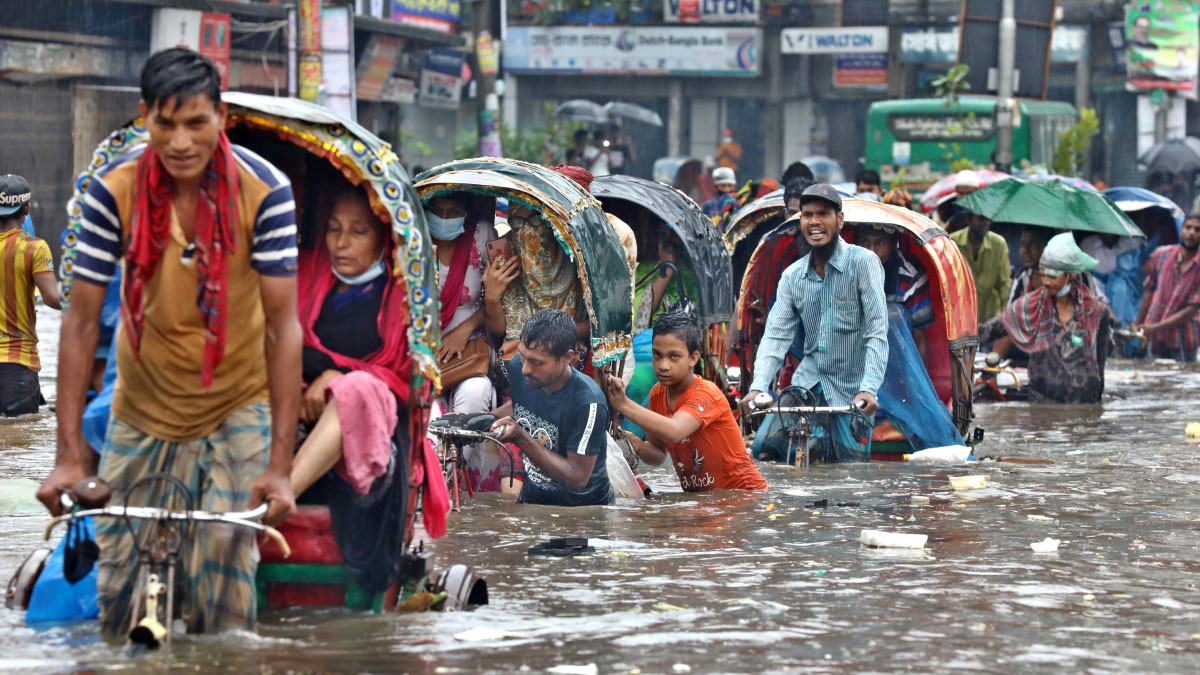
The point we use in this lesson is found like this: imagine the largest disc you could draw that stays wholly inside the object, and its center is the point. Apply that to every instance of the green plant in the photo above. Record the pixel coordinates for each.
(544, 146)
(899, 180)
(1073, 144)
(410, 144)
(952, 84)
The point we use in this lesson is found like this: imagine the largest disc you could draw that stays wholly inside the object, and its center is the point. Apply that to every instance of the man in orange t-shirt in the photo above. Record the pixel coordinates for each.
(689, 419)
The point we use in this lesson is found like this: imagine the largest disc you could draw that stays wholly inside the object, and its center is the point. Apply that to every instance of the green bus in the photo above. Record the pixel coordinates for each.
(910, 133)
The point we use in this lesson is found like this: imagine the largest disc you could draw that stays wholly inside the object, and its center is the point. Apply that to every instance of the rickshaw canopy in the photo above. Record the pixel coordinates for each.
(580, 226)
(703, 244)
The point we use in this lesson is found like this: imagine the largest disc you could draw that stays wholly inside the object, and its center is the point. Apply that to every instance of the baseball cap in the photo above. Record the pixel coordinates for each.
(724, 175)
(822, 191)
(14, 193)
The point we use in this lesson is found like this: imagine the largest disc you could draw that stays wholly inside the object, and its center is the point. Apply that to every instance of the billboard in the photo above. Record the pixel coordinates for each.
(1162, 45)
(710, 11)
(979, 34)
(861, 40)
(632, 50)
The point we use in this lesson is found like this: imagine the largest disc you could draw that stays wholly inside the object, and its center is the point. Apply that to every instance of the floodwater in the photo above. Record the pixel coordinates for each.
(761, 582)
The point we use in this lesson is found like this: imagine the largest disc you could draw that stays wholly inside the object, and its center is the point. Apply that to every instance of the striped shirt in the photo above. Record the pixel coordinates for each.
(21, 257)
(1173, 291)
(844, 317)
(160, 390)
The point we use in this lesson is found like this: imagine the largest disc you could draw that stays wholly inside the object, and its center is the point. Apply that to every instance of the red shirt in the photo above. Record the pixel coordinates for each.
(1172, 292)
(714, 457)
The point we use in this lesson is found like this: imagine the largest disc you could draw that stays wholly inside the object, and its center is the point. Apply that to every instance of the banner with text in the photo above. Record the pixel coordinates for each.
(860, 70)
(625, 50)
(862, 40)
(710, 11)
(1068, 44)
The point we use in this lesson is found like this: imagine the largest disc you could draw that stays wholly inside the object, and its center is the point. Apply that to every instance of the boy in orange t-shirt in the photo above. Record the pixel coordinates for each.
(689, 419)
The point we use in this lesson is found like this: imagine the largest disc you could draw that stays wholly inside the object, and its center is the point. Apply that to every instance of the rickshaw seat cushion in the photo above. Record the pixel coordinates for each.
(468, 421)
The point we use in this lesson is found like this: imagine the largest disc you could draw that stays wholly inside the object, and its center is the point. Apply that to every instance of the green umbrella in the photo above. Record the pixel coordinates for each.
(1050, 203)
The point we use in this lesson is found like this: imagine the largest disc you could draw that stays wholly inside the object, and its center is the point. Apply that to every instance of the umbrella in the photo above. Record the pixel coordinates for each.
(1176, 155)
(582, 110)
(945, 186)
(1077, 182)
(633, 112)
(1050, 203)
(1131, 199)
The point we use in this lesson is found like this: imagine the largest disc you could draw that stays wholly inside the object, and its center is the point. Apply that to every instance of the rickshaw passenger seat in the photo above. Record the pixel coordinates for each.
(468, 421)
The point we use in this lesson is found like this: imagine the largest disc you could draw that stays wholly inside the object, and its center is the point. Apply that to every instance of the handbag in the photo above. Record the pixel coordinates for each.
(475, 361)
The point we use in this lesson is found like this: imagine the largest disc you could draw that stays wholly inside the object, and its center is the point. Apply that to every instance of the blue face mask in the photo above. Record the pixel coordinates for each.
(444, 229)
(365, 277)
(1065, 289)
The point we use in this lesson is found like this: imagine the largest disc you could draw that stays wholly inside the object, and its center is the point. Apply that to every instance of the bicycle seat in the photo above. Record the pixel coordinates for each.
(468, 421)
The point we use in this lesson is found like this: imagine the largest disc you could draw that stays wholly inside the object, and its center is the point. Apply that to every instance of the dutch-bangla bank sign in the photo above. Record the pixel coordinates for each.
(860, 40)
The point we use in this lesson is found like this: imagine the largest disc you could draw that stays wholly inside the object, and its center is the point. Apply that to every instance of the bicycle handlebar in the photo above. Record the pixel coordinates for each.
(241, 518)
(755, 411)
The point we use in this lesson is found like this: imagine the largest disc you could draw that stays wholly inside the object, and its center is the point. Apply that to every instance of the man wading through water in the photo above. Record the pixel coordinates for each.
(208, 354)
(835, 293)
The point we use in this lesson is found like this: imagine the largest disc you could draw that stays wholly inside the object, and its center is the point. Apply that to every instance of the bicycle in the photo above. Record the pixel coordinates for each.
(159, 547)
(455, 431)
(797, 420)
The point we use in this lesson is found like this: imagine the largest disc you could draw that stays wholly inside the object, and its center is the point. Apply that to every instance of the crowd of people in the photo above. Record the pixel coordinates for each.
(254, 371)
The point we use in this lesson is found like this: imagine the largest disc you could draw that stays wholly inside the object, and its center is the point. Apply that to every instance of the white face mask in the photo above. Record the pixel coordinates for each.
(366, 276)
(1065, 289)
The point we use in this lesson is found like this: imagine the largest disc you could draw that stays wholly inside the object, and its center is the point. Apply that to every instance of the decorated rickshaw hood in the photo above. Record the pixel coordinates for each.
(705, 248)
(580, 226)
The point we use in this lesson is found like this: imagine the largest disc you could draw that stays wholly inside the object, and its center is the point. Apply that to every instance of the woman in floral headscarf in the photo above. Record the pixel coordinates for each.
(1063, 326)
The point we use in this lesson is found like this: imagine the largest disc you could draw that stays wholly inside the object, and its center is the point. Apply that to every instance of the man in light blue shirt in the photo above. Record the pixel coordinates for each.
(836, 294)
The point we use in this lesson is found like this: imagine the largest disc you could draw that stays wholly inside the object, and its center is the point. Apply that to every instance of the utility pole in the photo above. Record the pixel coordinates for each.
(487, 103)
(1004, 88)
(1160, 100)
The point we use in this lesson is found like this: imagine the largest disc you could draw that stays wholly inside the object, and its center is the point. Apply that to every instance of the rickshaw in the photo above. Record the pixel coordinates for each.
(952, 338)
(747, 227)
(320, 151)
(643, 204)
(579, 226)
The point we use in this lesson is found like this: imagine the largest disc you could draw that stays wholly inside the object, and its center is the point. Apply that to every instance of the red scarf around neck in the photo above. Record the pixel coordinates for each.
(451, 293)
(391, 363)
(215, 236)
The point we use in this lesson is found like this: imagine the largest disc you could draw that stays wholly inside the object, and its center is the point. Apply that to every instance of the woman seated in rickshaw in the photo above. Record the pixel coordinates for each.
(461, 227)
(540, 276)
(355, 359)
(656, 287)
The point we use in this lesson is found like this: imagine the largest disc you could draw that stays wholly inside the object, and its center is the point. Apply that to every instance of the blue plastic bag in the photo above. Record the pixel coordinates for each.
(54, 598)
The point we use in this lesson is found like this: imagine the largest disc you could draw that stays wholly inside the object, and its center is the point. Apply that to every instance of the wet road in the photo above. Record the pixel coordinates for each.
(739, 582)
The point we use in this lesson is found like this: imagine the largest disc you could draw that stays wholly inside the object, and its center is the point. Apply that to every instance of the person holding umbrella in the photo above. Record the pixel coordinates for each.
(1063, 326)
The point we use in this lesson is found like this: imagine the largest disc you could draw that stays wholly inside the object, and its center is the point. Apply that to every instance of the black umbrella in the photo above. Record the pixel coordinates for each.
(1176, 155)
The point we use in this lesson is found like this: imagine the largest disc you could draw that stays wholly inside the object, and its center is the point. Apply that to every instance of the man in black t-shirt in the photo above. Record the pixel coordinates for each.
(558, 417)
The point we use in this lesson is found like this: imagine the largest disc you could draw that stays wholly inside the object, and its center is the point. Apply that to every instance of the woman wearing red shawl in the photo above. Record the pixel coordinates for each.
(1063, 326)
(356, 361)
(460, 233)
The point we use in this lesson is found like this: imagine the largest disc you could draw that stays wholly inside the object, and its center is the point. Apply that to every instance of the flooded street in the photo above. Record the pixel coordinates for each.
(763, 582)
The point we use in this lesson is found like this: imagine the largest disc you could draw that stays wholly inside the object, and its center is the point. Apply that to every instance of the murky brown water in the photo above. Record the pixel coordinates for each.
(719, 583)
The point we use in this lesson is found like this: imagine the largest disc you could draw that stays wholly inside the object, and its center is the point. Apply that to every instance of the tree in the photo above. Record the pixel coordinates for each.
(949, 87)
(1073, 144)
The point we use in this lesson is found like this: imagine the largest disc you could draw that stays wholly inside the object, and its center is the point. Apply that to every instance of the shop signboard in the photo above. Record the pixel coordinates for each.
(441, 81)
(439, 15)
(310, 50)
(337, 61)
(1162, 44)
(710, 11)
(939, 44)
(860, 70)
(861, 40)
(692, 50)
(376, 64)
